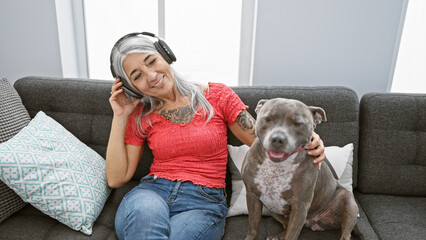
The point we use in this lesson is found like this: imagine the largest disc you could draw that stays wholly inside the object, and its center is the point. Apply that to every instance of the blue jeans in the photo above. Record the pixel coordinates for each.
(162, 209)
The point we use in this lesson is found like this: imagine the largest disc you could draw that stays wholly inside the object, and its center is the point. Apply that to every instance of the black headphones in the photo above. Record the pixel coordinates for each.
(161, 47)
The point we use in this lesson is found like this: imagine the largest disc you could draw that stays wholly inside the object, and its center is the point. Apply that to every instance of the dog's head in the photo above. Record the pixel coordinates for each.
(283, 126)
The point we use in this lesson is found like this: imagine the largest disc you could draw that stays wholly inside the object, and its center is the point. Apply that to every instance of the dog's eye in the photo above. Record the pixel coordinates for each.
(298, 121)
(267, 119)
(297, 124)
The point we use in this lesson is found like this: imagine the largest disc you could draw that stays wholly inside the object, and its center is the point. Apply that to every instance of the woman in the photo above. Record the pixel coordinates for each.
(185, 125)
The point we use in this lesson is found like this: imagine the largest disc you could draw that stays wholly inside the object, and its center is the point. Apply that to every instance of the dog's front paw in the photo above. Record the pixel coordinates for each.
(248, 237)
(273, 238)
(277, 237)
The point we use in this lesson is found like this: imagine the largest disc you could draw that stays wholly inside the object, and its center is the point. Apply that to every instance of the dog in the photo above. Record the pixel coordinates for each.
(279, 174)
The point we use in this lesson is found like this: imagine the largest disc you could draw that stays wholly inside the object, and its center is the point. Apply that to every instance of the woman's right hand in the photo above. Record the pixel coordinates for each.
(120, 104)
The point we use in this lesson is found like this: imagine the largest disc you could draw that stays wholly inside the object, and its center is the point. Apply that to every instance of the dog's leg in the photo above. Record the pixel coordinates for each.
(298, 214)
(254, 207)
(284, 221)
(356, 233)
(349, 216)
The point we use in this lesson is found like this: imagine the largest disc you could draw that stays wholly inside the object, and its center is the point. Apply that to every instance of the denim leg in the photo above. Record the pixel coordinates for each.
(163, 209)
(198, 213)
(142, 214)
(197, 224)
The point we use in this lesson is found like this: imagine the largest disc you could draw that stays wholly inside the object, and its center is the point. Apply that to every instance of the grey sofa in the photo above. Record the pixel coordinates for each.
(388, 132)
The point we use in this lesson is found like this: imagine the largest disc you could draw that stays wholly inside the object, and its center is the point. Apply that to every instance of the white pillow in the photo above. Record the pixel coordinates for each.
(52, 170)
(341, 159)
(238, 203)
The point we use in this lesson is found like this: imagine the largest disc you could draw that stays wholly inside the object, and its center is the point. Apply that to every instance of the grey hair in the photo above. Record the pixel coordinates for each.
(141, 44)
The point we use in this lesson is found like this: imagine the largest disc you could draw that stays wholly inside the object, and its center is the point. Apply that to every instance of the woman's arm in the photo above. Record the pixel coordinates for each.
(243, 128)
(121, 159)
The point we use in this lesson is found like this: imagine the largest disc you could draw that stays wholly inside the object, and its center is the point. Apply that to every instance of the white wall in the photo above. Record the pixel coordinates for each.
(29, 43)
(328, 42)
(303, 42)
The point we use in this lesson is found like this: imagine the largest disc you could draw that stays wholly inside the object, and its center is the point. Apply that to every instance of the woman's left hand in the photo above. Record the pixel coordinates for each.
(316, 149)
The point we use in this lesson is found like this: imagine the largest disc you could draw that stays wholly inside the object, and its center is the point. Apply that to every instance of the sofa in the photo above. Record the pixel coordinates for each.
(388, 132)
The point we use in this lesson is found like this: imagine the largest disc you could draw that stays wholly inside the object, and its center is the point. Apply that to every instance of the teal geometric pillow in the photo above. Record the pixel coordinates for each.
(55, 172)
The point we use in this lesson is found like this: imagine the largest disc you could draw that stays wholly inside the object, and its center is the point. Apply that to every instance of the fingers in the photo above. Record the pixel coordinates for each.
(316, 149)
(115, 94)
(315, 142)
(116, 85)
(116, 89)
(320, 158)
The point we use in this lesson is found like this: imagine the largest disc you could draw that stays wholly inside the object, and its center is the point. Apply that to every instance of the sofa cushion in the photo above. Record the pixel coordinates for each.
(393, 144)
(41, 226)
(395, 217)
(13, 117)
(51, 169)
(237, 227)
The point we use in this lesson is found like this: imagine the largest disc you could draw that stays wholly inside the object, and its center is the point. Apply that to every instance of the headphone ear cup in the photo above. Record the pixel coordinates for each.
(128, 90)
(165, 51)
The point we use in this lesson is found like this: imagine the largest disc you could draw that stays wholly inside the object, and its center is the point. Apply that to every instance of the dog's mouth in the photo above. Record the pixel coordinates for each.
(278, 156)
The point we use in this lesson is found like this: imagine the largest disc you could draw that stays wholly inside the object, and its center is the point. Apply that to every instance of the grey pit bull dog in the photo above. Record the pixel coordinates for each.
(279, 174)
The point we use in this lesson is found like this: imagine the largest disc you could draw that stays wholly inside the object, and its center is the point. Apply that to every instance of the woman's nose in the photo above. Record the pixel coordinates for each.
(151, 75)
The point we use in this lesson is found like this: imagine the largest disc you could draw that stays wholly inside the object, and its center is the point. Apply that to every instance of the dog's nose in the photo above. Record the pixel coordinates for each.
(278, 141)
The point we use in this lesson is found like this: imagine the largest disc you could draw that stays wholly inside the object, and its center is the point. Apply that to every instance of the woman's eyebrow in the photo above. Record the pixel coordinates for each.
(146, 58)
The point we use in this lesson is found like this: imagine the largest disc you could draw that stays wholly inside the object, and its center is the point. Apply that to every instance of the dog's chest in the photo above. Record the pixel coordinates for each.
(272, 179)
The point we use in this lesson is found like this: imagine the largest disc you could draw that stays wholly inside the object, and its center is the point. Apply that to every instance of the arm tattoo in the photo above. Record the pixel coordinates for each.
(246, 121)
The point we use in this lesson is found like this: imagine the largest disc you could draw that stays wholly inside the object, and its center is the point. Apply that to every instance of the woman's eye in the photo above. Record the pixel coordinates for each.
(137, 77)
(153, 61)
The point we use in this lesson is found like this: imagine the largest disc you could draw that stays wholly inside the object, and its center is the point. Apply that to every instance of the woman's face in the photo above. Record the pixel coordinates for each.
(150, 73)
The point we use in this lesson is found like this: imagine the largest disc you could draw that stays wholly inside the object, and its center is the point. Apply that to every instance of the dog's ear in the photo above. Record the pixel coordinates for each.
(319, 115)
(260, 105)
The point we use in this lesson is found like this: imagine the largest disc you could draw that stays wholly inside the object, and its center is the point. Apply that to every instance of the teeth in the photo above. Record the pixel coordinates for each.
(159, 82)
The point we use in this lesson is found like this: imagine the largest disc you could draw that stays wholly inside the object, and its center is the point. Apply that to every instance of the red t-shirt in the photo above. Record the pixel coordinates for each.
(193, 151)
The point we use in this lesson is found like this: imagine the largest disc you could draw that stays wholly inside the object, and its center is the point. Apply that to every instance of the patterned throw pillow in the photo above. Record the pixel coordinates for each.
(13, 117)
(55, 172)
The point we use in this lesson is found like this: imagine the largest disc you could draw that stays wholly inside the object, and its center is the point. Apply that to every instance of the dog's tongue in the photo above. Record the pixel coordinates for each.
(282, 156)
(276, 154)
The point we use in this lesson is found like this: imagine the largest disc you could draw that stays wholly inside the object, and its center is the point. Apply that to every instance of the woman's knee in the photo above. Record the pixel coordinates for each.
(140, 209)
(144, 203)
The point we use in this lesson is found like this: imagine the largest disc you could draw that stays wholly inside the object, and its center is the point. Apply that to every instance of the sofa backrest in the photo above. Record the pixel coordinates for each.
(82, 107)
(393, 144)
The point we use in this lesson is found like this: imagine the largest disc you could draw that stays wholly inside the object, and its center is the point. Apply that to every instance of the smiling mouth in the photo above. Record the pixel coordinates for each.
(280, 156)
(159, 82)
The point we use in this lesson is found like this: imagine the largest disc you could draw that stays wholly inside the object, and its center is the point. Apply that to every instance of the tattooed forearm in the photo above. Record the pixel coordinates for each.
(246, 121)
